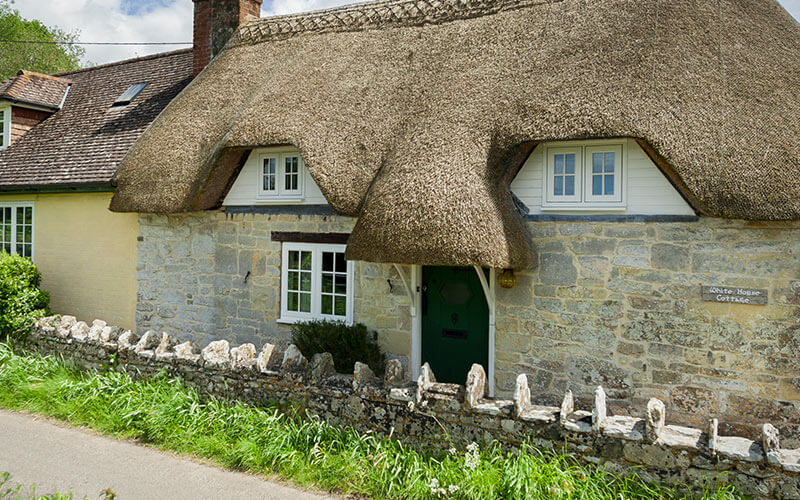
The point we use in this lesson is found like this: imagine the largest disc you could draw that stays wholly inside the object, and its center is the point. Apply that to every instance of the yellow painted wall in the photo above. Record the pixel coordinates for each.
(86, 254)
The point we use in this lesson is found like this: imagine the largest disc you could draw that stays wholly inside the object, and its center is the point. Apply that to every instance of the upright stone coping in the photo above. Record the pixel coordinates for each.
(418, 413)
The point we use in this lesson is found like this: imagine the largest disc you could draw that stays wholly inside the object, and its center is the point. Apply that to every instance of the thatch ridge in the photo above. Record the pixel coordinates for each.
(409, 126)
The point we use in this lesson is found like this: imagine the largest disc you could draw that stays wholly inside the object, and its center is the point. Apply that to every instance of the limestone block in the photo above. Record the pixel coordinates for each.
(187, 350)
(599, 411)
(79, 330)
(148, 342)
(654, 421)
(46, 326)
(110, 333)
(322, 366)
(293, 359)
(522, 395)
(771, 443)
(476, 385)
(67, 322)
(713, 436)
(244, 356)
(363, 376)
(166, 344)
(567, 407)
(264, 357)
(127, 340)
(395, 375)
(217, 352)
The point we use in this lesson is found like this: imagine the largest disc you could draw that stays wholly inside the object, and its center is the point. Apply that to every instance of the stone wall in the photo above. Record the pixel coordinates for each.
(616, 304)
(441, 415)
(213, 275)
(619, 305)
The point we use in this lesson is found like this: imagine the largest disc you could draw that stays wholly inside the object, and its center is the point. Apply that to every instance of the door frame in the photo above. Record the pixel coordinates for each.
(415, 294)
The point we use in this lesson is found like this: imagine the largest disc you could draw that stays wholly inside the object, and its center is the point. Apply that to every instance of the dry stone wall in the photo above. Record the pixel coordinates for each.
(419, 412)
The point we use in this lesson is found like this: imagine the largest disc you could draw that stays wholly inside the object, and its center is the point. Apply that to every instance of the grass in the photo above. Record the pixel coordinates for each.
(8, 492)
(306, 451)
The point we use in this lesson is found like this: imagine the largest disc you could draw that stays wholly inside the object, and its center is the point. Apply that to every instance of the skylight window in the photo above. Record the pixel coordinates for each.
(130, 94)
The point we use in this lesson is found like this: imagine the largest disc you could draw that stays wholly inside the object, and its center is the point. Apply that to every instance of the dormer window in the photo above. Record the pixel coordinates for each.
(129, 95)
(281, 176)
(5, 127)
(583, 177)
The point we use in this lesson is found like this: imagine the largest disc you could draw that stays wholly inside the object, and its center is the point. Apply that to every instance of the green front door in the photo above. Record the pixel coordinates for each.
(455, 322)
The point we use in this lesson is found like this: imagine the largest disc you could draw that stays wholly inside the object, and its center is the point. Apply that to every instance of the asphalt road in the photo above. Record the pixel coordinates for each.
(61, 459)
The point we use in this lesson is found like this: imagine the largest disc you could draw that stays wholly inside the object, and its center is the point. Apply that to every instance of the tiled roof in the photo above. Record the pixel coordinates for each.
(84, 142)
(35, 88)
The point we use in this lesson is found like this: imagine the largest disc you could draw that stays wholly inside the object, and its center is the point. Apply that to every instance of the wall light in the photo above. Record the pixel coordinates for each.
(507, 278)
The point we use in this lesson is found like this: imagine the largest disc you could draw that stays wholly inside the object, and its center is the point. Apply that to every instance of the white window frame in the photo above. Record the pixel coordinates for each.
(280, 193)
(549, 183)
(13, 206)
(618, 174)
(6, 129)
(583, 199)
(316, 250)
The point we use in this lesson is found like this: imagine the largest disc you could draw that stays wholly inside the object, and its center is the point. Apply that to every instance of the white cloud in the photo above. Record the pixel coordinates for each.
(104, 21)
(159, 21)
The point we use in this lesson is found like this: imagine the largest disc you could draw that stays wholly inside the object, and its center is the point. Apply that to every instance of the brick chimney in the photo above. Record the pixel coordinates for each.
(214, 23)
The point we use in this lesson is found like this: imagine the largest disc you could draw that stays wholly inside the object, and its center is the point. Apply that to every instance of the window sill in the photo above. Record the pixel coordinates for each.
(279, 200)
(584, 207)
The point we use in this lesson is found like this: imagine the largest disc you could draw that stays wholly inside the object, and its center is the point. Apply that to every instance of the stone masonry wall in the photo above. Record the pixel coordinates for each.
(616, 304)
(619, 305)
(213, 275)
(441, 415)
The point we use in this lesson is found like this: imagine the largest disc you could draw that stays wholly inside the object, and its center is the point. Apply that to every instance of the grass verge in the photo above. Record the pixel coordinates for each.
(307, 451)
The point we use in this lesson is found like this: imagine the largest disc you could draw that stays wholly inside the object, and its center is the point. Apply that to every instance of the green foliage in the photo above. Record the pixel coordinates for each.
(21, 301)
(346, 343)
(42, 58)
(15, 493)
(306, 450)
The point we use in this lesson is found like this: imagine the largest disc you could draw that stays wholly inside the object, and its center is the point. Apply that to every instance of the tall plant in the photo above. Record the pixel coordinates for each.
(21, 300)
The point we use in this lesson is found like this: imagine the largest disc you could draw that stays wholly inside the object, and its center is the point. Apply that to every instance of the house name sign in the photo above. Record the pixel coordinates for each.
(735, 294)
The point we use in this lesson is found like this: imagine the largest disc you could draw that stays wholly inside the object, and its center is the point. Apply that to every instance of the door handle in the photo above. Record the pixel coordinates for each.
(454, 317)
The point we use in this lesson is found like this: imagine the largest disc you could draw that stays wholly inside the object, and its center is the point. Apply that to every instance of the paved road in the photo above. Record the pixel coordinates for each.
(63, 459)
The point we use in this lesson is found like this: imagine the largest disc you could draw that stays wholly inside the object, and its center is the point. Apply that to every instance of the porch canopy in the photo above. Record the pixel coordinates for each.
(415, 115)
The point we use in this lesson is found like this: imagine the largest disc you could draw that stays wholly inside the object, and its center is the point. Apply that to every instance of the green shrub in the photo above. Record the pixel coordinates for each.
(21, 301)
(346, 343)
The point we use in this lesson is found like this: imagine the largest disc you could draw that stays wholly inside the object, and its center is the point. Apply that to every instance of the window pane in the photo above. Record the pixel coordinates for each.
(597, 163)
(305, 302)
(327, 304)
(292, 301)
(293, 280)
(294, 259)
(327, 283)
(570, 161)
(559, 164)
(306, 261)
(341, 263)
(609, 184)
(341, 284)
(305, 282)
(597, 185)
(569, 185)
(609, 162)
(341, 306)
(558, 186)
(327, 261)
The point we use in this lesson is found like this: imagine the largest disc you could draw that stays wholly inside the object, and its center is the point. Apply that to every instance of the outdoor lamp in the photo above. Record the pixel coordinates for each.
(507, 278)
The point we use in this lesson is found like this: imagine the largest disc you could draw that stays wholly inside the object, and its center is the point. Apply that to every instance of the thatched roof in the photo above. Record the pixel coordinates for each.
(415, 115)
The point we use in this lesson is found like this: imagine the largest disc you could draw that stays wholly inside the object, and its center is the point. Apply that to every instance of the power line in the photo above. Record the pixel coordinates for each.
(40, 42)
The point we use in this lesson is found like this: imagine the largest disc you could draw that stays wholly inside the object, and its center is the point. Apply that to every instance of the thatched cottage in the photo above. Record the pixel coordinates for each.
(601, 192)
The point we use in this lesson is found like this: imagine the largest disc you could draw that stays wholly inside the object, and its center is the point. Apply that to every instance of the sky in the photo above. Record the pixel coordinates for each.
(156, 21)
